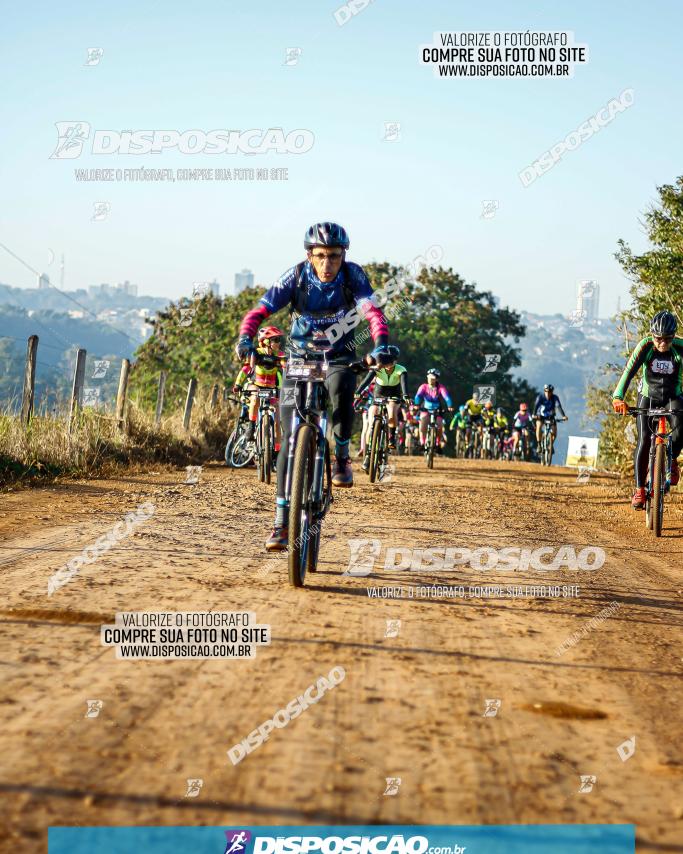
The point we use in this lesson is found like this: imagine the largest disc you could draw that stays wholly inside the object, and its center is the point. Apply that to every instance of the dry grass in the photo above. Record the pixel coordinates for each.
(95, 446)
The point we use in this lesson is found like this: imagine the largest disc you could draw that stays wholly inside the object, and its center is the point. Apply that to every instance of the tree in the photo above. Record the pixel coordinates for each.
(657, 274)
(439, 320)
(657, 277)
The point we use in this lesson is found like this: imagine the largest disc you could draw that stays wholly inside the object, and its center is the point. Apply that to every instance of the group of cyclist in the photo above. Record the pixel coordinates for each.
(322, 290)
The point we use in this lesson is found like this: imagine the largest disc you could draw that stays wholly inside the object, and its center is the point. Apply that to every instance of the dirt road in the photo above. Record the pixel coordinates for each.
(413, 703)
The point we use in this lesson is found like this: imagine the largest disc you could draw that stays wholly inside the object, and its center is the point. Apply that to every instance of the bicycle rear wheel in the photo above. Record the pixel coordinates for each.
(658, 491)
(430, 447)
(375, 450)
(300, 505)
(229, 446)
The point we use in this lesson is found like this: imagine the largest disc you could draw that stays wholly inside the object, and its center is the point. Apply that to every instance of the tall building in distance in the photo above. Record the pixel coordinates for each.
(243, 280)
(43, 281)
(588, 299)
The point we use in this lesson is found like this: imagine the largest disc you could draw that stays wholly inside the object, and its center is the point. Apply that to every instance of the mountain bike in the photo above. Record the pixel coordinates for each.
(412, 438)
(460, 441)
(522, 451)
(487, 442)
(308, 480)
(265, 435)
(432, 436)
(239, 452)
(546, 448)
(659, 464)
(379, 441)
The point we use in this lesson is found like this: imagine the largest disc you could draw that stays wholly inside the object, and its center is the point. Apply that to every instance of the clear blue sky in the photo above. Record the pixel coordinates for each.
(170, 65)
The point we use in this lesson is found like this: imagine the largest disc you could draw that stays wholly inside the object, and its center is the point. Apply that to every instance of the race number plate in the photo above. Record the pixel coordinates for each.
(300, 370)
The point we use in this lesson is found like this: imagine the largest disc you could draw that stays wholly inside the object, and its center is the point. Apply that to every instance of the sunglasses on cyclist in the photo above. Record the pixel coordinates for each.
(663, 339)
(332, 256)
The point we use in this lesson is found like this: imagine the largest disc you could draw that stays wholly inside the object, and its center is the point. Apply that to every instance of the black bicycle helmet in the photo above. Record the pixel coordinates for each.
(326, 234)
(435, 372)
(548, 387)
(663, 324)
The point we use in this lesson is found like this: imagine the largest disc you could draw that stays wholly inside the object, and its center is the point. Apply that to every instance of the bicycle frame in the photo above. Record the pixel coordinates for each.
(313, 411)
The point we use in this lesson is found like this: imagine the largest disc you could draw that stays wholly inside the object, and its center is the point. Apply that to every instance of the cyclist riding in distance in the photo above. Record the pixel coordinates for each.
(363, 405)
(488, 414)
(267, 373)
(428, 397)
(461, 419)
(474, 407)
(390, 387)
(521, 421)
(544, 408)
(319, 291)
(500, 420)
(660, 355)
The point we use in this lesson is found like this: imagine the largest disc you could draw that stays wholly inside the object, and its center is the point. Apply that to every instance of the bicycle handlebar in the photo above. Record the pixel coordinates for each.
(637, 410)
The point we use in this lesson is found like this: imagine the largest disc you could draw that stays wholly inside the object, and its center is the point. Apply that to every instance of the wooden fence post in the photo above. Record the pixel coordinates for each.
(189, 400)
(214, 396)
(29, 380)
(77, 389)
(123, 390)
(160, 398)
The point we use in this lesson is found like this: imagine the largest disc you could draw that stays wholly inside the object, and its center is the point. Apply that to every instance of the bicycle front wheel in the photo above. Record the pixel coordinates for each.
(241, 454)
(658, 491)
(300, 504)
(267, 447)
(375, 450)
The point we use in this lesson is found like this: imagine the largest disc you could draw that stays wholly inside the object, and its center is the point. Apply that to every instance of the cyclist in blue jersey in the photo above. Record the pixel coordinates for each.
(321, 292)
(544, 408)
